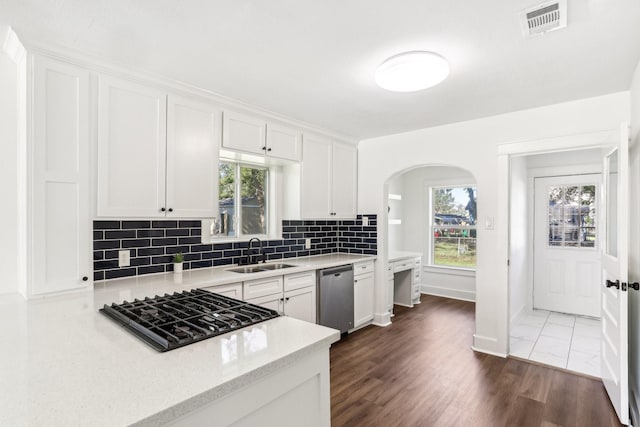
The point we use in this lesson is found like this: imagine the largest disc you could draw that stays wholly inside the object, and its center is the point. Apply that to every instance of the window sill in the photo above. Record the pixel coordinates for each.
(457, 271)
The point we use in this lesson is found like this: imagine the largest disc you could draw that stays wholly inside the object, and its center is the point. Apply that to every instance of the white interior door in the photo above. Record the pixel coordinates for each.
(567, 256)
(614, 363)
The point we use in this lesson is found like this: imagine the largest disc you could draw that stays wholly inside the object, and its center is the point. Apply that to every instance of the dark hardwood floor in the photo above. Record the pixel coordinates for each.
(421, 371)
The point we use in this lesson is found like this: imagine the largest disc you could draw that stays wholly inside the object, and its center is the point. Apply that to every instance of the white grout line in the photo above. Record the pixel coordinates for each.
(538, 337)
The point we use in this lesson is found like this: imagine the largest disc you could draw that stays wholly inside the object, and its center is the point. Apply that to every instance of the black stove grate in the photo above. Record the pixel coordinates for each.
(171, 321)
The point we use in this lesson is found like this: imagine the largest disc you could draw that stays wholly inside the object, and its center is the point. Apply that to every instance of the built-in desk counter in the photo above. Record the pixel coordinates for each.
(404, 270)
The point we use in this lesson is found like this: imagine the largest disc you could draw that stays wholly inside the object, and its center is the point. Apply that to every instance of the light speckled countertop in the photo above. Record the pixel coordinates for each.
(63, 363)
(399, 255)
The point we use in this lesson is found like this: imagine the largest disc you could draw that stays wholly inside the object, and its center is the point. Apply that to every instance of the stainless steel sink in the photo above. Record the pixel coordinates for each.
(260, 267)
(276, 266)
(249, 269)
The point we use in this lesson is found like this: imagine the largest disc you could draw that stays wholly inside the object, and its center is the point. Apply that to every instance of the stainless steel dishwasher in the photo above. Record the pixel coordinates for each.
(335, 297)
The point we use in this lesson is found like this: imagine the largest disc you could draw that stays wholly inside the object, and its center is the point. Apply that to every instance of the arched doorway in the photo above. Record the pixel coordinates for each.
(432, 212)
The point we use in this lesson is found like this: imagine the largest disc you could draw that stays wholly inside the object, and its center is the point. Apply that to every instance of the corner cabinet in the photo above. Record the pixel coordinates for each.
(328, 179)
(157, 153)
(251, 134)
(59, 226)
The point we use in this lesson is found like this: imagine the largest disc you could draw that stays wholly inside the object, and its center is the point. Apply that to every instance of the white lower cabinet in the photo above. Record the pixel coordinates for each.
(232, 290)
(273, 302)
(293, 295)
(363, 294)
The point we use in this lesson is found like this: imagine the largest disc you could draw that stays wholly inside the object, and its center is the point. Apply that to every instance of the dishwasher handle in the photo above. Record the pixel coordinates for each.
(336, 270)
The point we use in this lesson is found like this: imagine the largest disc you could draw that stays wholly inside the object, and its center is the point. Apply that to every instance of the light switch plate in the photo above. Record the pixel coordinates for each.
(124, 258)
(365, 221)
(488, 223)
(307, 243)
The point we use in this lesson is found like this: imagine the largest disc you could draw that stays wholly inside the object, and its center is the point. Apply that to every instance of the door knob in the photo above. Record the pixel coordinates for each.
(615, 284)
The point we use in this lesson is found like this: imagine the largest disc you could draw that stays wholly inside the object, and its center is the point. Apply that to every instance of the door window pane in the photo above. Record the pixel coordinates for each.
(572, 215)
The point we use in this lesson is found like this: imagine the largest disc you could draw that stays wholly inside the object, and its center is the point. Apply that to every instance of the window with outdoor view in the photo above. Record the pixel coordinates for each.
(572, 215)
(453, 227)
(242, 200)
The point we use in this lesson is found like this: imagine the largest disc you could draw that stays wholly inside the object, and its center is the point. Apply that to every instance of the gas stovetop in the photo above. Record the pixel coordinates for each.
(171, 321)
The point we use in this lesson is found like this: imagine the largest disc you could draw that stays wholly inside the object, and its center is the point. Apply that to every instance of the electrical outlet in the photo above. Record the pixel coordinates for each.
(365, 221)
(124, 258)
(307, 243)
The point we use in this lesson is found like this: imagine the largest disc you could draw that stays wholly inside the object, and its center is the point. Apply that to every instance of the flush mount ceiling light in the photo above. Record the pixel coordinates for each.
(412, 71)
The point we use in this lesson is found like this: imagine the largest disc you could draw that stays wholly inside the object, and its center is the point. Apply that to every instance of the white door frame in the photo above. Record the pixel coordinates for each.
(596, 139)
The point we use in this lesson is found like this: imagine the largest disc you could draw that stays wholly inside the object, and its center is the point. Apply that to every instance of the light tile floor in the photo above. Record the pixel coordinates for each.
(556, 339)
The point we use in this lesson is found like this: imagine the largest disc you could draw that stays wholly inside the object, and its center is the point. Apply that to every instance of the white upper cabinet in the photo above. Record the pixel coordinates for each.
(193, 146)
(344, 168)
(254, 135)
(243, 132)
(60, 253)
(131, 149)
(157, 153)
(328, 179)
(315, 178)
(284, 142)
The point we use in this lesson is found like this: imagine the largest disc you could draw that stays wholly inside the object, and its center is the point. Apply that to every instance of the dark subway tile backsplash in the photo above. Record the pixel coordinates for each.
(152, 243)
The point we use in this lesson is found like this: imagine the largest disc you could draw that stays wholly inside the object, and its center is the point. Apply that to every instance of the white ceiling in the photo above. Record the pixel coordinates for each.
(314, 60)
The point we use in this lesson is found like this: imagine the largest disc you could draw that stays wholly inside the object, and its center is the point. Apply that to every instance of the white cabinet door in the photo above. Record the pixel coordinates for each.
(284, 142)
(363, 299)
(60, 255)
(273, 302)
(315, 186)
(131, 149)
(233, 290)
(344, 180)
(244, 133)
(301, 304)
(193, 146)
(263, 287)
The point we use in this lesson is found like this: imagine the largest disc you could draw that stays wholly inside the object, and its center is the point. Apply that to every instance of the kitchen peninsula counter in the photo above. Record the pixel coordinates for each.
(64, 363)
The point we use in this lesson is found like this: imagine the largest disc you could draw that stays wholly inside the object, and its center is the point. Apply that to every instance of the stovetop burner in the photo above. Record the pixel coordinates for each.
(171, 321)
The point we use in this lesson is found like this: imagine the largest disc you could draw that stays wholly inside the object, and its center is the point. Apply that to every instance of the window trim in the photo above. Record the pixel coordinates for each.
(431, 227)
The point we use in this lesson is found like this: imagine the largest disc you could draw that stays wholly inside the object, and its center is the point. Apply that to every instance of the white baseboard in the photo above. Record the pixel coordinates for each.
(382, 319)
(516, 314)
(448, 293)
(487, 345)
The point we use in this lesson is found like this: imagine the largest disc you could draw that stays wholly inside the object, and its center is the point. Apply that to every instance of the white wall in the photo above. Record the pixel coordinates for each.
(396, 212)
(518, 238)
(634, 253)
(8, 170)
(472, 145)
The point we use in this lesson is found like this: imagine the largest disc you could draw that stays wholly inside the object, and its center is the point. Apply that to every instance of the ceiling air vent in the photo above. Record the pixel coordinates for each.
(545, 17)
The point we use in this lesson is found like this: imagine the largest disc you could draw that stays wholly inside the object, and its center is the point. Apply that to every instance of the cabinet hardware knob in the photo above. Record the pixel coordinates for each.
(264, 148)
(170, 209)
(268, 149)
(635, 286)
(85, 278)
(286, 299)
(162, 209)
